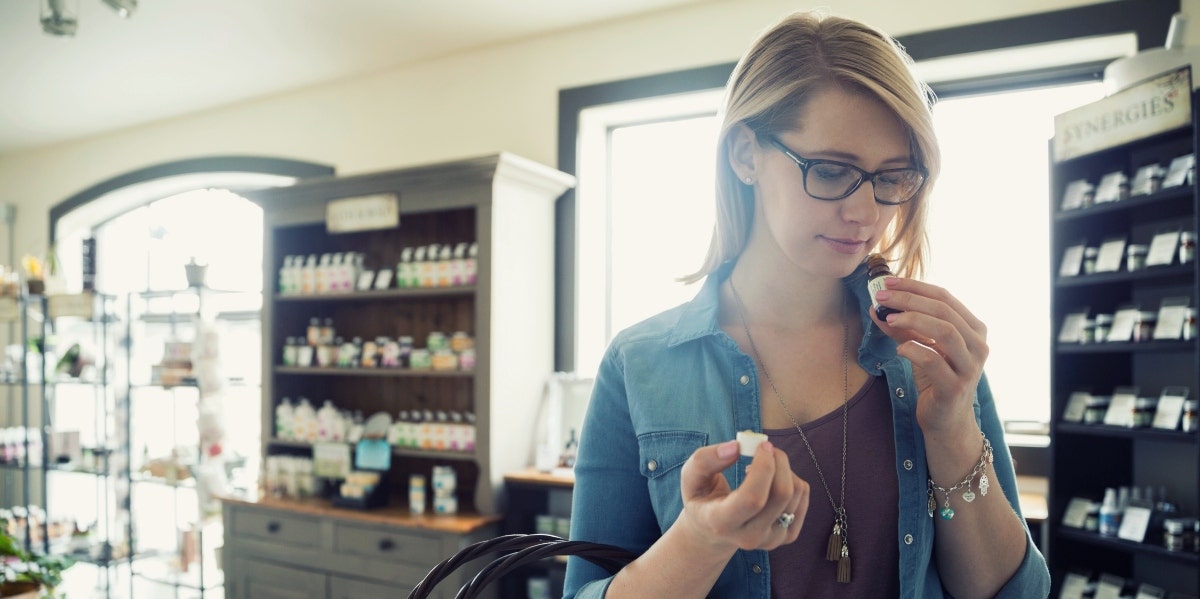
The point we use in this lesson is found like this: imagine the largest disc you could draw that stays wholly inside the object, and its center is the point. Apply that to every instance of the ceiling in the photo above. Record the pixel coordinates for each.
(174, 57)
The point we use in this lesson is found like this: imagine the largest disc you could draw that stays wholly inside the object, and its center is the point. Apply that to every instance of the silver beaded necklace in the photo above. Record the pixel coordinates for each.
(839, 547)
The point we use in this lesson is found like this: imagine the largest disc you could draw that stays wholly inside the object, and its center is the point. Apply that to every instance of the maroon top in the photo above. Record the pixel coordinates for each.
(872, 502)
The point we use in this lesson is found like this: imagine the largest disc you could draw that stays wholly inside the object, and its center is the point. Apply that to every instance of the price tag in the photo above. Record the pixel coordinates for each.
(1149, 591)
(1170, 318)
(1073, 586)
(1170, 408)
(1077, 511)
(1134, 523)
(1177, 173)
(1120, 411)
(1109, 587)
(365, 279)
(1109, 188)
(1074, 194)
(384, 279)
(331, 460)
(1072, 260)
(1122, 326)
(1111, 253)
(1076, 406)
(1162, 248)
(1072, 327)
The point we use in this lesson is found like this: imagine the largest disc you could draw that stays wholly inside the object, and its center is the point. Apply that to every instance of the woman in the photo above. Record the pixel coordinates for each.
(885, 472)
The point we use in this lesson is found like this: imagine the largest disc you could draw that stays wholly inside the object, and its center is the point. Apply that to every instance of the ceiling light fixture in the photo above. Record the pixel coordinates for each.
(61, 17)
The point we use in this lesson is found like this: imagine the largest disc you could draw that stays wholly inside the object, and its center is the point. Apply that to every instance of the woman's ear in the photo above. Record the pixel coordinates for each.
(742, 145)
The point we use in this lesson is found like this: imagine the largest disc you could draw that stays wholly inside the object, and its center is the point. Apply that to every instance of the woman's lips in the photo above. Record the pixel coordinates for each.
(845, 246)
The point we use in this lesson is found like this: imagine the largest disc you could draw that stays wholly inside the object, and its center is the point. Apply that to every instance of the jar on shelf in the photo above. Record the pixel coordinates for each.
(466, 359)
(1103, 324)
(1191, 326)
(444, 359)
(1143, 327)
(460, 341)
(1187, 247)
(1097, 407)
(1090, 254)
(1188, 422)
(1143, 411)
(1178, 534)
(1135, 256)
(290, 352)
(436, 341)
(405, 343)
(1089, 331)
(420, 359)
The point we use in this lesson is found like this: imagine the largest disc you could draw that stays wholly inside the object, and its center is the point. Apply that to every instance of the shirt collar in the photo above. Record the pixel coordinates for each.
(698, 318)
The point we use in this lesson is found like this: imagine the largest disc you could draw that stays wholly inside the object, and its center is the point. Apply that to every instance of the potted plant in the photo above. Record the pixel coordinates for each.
(24, 575)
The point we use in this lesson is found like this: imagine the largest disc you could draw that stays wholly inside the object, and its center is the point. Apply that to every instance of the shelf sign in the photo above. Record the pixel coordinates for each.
(363, 213)
(75, 304)
(9, 310)
(1160, 104)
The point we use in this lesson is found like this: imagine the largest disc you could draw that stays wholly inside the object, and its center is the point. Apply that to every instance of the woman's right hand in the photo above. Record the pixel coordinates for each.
(748, 517)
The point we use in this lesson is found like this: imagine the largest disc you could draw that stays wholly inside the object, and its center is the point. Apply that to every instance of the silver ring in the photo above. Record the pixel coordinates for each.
(786, 519)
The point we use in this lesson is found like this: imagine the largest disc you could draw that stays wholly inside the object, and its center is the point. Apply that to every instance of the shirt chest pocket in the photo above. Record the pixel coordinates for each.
(662, 455)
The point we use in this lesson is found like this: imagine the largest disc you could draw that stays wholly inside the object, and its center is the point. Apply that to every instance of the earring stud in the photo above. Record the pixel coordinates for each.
(749, 180)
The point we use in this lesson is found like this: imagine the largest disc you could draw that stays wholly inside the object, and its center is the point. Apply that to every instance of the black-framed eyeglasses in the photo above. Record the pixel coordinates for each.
(831, 180)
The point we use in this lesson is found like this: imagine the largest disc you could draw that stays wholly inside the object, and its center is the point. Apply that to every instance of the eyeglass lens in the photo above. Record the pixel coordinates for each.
(830, 180)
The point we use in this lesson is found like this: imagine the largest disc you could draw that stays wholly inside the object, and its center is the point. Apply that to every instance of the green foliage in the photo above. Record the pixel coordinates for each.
(18, 565)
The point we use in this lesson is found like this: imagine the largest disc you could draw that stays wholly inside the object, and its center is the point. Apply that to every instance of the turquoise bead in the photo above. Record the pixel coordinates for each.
(947, 513)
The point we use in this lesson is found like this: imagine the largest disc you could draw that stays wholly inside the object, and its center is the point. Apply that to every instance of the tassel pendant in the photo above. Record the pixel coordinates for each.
(834, 550)
(844, 565)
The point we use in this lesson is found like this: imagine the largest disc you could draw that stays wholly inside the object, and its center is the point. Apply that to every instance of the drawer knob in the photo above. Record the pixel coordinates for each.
(273, 527)
(386, 545)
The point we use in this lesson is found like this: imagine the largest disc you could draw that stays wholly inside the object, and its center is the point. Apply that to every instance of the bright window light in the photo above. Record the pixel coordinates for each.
(646, 216)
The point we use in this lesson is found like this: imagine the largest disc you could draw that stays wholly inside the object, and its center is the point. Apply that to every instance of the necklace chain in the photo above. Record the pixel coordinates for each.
(839, 509)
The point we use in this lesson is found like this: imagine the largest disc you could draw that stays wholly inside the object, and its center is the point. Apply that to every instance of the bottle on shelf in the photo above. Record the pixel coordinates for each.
(429, 265)
(308, 275)
(285, 273)
(1110, 513)
(472, 269)
(445, 267)
(324, 268)
(285, 420)
(404, 268)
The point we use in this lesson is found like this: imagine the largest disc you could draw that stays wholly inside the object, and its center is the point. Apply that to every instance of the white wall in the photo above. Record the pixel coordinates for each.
(502, 97)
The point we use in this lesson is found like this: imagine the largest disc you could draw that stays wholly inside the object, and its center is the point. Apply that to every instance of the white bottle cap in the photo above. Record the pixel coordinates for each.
(748, 442)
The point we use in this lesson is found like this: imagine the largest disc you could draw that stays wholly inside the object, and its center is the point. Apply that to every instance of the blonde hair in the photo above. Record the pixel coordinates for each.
(803, 53)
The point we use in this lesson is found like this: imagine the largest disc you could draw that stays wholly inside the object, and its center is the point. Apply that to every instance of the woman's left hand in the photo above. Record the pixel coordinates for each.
(947, 346)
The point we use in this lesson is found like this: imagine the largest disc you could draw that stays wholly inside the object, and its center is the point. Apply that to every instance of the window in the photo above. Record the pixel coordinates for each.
(646, 203)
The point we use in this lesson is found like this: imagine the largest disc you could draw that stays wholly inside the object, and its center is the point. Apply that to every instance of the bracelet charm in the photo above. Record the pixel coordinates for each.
(947, 512)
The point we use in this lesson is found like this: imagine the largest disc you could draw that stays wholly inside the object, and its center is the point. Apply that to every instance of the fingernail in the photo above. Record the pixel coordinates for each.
(891, 281)
(883, 295)
(891, 317)
(767, 446)
(727, 450)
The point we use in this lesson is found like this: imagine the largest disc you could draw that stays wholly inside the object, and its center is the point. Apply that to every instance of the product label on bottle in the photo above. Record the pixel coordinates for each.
(874, 286)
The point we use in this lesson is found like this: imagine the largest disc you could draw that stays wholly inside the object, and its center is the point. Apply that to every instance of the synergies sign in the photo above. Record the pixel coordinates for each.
(1157, 105)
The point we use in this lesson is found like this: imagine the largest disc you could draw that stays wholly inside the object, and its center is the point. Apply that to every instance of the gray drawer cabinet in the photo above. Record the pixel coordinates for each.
(276, 553)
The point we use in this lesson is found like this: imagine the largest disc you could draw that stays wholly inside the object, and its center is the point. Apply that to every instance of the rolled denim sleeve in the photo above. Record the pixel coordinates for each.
(611, 503)
(1032, 578)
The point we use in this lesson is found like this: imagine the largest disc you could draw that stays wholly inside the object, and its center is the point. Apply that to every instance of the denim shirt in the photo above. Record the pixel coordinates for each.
(676, 382)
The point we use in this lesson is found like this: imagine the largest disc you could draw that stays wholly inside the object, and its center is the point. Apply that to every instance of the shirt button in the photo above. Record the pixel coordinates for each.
(908, 464)
(900, 392)
(879, 366)
(652, 465)
(756, 568)
(745, 380)
(908, 539)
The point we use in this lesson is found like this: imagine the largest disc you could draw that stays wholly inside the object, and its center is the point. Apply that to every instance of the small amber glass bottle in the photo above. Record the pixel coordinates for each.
(877, 272)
